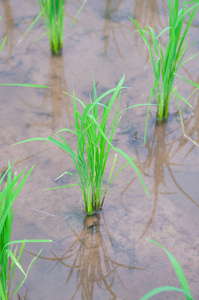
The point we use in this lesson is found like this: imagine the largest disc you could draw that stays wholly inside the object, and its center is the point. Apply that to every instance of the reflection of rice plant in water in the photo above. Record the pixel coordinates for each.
(9, 261)
(53, 15)
(18, 84)
(90, 264)
(167, 62)
(185, 288)
(94, 142)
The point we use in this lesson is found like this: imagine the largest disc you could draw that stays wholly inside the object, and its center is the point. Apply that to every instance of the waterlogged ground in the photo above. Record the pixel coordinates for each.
(114, 260)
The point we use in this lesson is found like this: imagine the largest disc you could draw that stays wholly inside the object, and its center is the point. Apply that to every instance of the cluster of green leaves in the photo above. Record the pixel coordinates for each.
(9, 261)
(94, 142)
(53, 15)
(166, 62)
(185, 288)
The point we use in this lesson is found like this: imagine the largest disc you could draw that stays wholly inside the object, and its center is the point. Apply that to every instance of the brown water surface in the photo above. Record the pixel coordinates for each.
(113, 260)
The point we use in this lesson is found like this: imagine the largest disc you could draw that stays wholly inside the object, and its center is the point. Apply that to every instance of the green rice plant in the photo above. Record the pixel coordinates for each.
(53, 15)
(166, 62)
(9, 261)
(185, 288)
(94, 133)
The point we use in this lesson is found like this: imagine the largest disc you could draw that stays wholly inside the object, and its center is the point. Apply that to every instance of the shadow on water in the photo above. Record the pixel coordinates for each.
(9, 25)
(54, 97)
(150, 13)
(114, 28)
(162, 149)
(90, 262)
(191, 117)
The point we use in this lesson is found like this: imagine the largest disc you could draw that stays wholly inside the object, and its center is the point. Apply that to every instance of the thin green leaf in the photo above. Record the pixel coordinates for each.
(165, 289)
(178, 271)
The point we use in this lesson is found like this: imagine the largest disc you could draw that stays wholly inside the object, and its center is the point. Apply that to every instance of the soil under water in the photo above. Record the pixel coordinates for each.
(113, 259)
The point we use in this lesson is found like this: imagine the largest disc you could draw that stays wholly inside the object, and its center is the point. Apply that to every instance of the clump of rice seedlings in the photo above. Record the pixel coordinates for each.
(167, 60)
(185, 288)
(94, 133)
(9, 260)
(53, 15)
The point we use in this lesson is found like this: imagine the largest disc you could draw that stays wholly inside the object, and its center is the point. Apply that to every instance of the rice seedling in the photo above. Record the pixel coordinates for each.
(166, 62)
(53, 15)
(9, 261)
(185, 288)
(94, 142)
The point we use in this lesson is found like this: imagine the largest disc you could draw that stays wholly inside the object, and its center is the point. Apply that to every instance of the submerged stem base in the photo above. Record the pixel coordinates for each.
(160, 122)
(92, 220)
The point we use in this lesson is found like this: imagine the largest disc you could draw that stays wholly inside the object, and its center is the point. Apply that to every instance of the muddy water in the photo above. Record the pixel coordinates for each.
(113, 260)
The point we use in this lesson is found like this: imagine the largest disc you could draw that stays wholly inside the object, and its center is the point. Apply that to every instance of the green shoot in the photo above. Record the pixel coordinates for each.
(7, 270)
(94, 143)
(53, 15)
(185, 288)
(166, 62)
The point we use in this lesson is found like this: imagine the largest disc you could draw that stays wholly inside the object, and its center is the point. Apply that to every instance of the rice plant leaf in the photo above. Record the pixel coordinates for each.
(77, 14)
(1, 47)
(187, 28)
(71, 175)
(95, 97)
(193, 83)
(60, 187)
(65, 148)
(194, 7)
(3, 194)
(111, 178)
(155, 42)
(30, 27)
(18, 189)
(133, 165)
(184, 62)
(65, 129)
(28, 241)
(2, 293)
(146, 42)
(165, 289)
(183, 99)
(177, 269)
(99, 98)
(24, 85)
(73, 96)
(121, 152)
(9, 253)
(136, 105)
(25, 276)
(41, 36)
(163, 31)
(30, 140)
